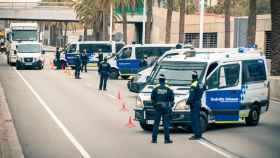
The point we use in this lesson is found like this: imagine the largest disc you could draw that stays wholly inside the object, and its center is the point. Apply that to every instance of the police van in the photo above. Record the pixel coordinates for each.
(236, 81)
(107, 48)
(131, 59)
(29, 55)
(138, 82)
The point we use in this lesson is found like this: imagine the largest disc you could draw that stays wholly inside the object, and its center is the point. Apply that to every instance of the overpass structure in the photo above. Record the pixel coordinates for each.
(38, 11)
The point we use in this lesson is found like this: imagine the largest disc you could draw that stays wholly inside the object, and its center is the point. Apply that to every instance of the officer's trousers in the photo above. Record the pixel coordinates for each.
(166, 123)
(195, 117)
(77, 72)
(84, 67)
(103, 82)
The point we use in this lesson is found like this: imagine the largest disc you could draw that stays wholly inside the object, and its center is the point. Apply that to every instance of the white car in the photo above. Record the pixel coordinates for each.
(236, 81)
(29, 55)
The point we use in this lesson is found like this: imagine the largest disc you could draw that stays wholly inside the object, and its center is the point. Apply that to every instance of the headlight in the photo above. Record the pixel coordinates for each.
(20, 59)
(181, 105)
(139, 103)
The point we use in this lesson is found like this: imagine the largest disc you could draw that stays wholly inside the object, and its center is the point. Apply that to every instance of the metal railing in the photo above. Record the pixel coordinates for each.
(15, 5)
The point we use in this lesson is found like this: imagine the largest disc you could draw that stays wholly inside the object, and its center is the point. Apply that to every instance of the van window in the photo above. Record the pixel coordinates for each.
(141, 52)
(119, 46)
(211, 68)
(72, 48)
(93, 48)
(253, 71)
(125, 53)
(225, 76)
(229, 75)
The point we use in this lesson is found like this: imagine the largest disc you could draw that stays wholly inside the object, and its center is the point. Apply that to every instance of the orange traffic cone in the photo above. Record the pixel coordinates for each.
(124, 108)
(130, 123)
(52, 66)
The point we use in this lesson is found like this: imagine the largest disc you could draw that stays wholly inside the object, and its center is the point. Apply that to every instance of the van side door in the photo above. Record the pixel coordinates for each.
(125, 62)
(254, 84)
(224, 92)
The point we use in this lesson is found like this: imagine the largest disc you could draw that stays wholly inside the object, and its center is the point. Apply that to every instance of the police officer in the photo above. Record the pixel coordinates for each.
(57, 58)
(84, 59)
(100, 57)
(194, 101)
(163, 100)
(77, 67)
(104, 71)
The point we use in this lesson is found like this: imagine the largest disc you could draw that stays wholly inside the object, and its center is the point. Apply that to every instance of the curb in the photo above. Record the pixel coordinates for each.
(10, 148)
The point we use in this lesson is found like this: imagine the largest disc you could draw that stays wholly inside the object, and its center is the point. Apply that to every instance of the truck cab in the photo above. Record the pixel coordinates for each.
(236, 85)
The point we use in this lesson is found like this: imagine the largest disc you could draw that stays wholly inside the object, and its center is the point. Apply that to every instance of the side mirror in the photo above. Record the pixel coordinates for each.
(43, 52)
(148, 78)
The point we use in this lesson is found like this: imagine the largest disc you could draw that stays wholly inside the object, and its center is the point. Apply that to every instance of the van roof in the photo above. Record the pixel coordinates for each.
(213, 55)
(94, 42)
(28, 42)
(151, 45)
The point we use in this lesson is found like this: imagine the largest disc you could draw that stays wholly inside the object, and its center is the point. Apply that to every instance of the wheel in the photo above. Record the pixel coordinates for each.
(125, 77)
(146, 127)
(18, 67)
(114, 74)
(254, 116)
(203, 121)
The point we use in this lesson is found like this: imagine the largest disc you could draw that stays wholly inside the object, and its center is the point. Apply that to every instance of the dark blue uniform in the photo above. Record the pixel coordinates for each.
(104, 71)
(163, 100)
(77, 67)
(84, 59)
(57, 59)
(194, 100)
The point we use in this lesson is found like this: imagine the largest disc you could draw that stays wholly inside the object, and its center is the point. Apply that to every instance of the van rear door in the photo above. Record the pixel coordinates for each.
(223, 92)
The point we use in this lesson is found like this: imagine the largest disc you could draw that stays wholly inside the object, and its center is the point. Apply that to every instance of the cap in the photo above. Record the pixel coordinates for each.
(161, 76)
(194, 73)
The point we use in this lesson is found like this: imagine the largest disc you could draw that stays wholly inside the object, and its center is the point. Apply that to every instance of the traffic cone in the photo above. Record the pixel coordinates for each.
(124, 108)
(52, 66)
(130, 123)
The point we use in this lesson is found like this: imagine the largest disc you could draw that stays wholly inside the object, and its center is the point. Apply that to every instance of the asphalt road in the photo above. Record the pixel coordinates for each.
(57, 116)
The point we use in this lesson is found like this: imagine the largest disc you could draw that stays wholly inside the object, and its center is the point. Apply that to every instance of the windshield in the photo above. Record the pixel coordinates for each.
(178, 73)
(93, 48)
(24, 35)
(29, 48)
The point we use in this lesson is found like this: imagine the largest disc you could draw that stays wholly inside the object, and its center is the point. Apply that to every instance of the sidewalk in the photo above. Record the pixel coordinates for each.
(9, 144)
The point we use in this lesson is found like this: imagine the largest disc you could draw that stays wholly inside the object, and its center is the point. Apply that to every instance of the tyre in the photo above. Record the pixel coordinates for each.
(18, 67)
(146, 127)
(254, 116)
(125, 77)
(114, 74)
(203, 121)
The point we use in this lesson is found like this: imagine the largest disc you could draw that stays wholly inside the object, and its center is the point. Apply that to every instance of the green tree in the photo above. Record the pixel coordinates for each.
(275, 56)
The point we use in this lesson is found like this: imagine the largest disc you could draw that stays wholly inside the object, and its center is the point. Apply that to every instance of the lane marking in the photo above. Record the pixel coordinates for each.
(210, 146)
(68, 134)
(111, 96)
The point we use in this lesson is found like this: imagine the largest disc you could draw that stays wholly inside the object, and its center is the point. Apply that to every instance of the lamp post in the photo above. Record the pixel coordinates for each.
(201, 23)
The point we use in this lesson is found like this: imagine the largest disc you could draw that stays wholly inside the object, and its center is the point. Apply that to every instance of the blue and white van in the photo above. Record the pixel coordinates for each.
(236, 81)
(108, 49)
(133, 58)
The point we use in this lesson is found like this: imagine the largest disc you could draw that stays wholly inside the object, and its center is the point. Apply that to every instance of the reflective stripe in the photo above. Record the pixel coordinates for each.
(194, 84)
(222, 122)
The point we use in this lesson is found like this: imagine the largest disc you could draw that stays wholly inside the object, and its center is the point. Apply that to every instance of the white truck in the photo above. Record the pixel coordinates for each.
(17, 33)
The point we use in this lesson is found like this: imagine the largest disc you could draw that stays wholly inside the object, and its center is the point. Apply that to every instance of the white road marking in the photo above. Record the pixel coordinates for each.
(210, 146)
(111, 96)
(68, 134)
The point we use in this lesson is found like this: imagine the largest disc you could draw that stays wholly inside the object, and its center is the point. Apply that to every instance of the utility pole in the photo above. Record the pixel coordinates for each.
(144, 22)
(201, 23)
(111, 22)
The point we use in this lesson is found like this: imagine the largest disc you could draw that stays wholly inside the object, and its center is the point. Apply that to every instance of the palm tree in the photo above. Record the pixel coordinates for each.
(149, 21)
(251, 31)
(227, 5)
(182, 21)
(170, 4)
(275, 56)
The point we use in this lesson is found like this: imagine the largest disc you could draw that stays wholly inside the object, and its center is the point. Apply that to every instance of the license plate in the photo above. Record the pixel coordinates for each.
(28, 64)
(150, 122)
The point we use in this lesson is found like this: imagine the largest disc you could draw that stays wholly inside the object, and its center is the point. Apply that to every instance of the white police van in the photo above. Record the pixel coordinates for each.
(107, 48)
(236, 81)
(29, 55)
(131, 59)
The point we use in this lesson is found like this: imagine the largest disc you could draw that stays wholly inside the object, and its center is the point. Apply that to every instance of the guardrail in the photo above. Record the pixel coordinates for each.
(15, 5)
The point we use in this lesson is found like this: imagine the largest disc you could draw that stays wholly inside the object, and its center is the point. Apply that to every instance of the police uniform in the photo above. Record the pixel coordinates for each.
(104, 71)
(194, 101)
(57, 59)
(163, 100)
(84, 58)
(77, 67)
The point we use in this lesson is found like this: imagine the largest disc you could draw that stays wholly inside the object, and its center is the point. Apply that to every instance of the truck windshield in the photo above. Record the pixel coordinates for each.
(93, 48)
(24, 35)
(29, 48)
(178, 73)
